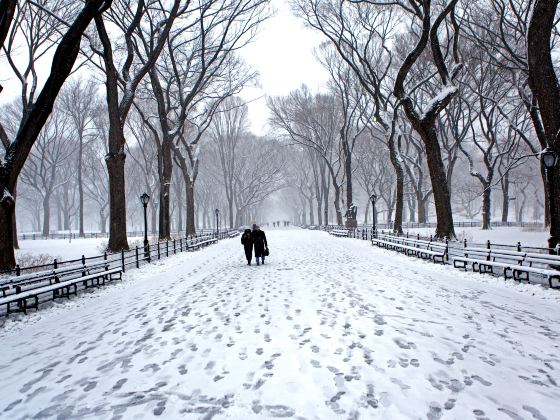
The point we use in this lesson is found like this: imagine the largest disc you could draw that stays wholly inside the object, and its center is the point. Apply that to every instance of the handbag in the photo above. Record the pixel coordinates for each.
(266, 252)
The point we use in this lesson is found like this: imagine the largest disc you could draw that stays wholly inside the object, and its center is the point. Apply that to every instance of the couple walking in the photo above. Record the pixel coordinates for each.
(255, 238)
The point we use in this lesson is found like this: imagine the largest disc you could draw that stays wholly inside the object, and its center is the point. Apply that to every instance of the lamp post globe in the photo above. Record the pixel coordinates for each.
(144, 199)
(549, 158)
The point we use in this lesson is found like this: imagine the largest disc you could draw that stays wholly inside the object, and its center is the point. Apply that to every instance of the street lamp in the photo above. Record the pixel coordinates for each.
(145, 199)
(217, 222)
(549, 159)
(373, 197)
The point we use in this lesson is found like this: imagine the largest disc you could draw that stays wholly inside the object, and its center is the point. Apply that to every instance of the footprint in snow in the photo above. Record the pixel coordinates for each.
(315, 363)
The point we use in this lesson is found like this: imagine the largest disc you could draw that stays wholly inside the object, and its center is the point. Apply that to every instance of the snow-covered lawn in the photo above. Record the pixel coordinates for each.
(329, 328)
(499, 235)
(63, 248)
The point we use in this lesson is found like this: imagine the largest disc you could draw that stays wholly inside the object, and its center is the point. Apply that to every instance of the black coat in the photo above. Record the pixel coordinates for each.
(259, 240)
(247, 241)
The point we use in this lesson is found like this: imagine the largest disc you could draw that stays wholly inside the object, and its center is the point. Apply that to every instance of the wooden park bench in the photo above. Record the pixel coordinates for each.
(514, 264)
(341, 233)
(20, 293)
(429, 250)
(485, 260)
(547, 265)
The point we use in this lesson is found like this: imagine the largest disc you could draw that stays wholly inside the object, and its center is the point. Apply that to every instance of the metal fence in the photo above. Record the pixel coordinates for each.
(135, 257)
(92, 235)
(456, 247)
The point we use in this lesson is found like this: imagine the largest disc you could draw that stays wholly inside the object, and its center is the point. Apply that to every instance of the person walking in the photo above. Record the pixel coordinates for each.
(247, 241)
(260, 244)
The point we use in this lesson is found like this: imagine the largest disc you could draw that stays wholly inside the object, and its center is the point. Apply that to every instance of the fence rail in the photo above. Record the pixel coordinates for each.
(124, 259)
(91, 235)
(455, 246)
(432, 225)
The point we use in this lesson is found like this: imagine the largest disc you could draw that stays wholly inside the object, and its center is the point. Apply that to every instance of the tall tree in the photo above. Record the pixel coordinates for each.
(78, 102)
(31, 124)
(122, 84)
(543, 82)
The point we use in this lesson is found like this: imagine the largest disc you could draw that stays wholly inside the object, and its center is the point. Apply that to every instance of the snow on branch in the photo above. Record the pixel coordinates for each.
(438, 102)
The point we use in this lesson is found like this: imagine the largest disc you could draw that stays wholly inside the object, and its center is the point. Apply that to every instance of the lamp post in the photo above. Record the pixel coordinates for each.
(217, 211)
(145, 199)
(373, 197)
(549, 159)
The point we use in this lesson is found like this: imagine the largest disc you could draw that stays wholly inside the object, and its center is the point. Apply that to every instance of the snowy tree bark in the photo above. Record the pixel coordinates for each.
(544, 85)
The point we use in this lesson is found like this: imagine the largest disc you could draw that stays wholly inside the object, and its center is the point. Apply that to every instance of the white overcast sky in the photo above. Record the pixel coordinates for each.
(283, 55)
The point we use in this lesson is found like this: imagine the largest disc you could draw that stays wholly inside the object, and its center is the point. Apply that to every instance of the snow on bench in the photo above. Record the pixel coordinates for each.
(423, 249)
(57, 287)
(513, 263)
(340, 233)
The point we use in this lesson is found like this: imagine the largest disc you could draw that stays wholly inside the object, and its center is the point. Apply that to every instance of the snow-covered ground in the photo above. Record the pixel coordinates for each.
(64, 248)
(499, 235)
(329, 328)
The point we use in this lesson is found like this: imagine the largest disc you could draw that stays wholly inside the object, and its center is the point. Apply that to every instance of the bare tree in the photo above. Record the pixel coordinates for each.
(353, 109)
(362, 36)
(122, 81)
(78, 102)
(228, 128)
(51, 151)
(313, 122)
(33, 121)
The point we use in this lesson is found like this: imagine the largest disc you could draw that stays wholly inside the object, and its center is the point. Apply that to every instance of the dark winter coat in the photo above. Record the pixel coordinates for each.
(247, 241)
(259, 241)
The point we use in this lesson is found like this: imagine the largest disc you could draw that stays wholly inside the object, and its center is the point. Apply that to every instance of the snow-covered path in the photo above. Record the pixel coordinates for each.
(329, 328)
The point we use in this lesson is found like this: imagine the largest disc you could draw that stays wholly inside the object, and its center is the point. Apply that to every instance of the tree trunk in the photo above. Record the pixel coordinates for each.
(230, 210)
(103, 221)
(421, 203)
(191, 228)
(348, 174)
(7, 209)
(154, 219)
(544, 86)
(59, 224)
(165, 173)
(14, 224)
(46, 215)
(180, 213)
(505, 197)
(442, 201)
(336, 204)
(80, 187)
(65, 210)
(399, 172)
(412, 208)
(117, 202)
(486, 206)
(311, 215)
(14, 228)
(238, 218)
(326, 207)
